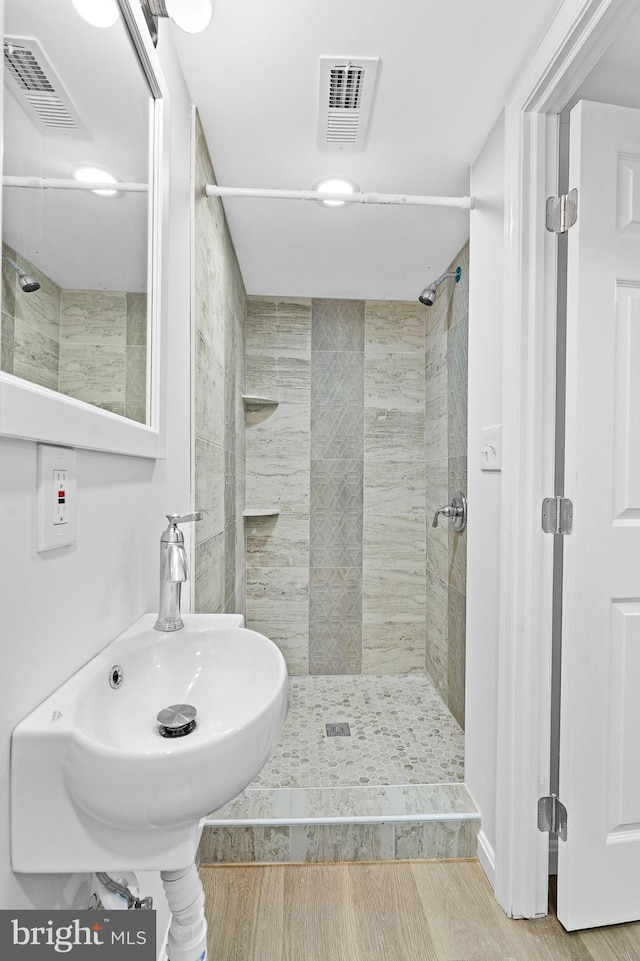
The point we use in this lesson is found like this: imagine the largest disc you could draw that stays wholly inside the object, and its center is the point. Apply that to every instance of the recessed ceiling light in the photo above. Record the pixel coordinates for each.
(89, 175)
(99, 13)
(335, 185)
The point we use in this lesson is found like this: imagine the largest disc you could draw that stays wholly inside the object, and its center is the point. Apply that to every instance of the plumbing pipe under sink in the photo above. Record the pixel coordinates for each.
(187, 940)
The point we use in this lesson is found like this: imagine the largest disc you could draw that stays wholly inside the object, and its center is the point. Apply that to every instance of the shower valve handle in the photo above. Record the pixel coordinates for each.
(456, 511)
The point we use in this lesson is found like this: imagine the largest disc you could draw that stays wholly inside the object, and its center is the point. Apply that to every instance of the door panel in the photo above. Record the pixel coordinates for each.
(599, 864)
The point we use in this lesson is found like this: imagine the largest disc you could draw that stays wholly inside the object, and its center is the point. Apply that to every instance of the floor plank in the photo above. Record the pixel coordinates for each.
(384, 911)
(389, 920)
(244, 911)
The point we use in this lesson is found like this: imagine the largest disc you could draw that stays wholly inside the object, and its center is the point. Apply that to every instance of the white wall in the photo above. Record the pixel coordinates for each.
(58, 609)
(484, 488)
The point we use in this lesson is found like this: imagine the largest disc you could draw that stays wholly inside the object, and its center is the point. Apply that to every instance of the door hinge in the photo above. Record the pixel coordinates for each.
(562, 212)
(557, 515)
(552, 816)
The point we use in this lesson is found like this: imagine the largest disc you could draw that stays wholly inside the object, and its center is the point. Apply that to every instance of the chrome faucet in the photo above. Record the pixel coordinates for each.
(174, 570)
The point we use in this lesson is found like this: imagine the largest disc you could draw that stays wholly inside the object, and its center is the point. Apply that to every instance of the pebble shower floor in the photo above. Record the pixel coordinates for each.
(401, 733)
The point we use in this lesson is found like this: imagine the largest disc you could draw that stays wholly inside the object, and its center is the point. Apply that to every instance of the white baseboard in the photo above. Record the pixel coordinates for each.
(487, 858)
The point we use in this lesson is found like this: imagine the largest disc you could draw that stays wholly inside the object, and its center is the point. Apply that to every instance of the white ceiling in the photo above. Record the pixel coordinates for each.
(447, 69)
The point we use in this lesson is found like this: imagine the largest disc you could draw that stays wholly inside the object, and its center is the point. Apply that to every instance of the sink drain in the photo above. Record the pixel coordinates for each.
(116, 676)
(177, 720)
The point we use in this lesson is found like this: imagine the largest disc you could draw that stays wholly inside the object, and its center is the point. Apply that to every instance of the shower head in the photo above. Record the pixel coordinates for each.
(27, 283)
(429, 294)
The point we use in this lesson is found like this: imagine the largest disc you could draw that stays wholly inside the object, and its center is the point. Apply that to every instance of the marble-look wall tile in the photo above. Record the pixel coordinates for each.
(93, 373)
(278, 376)
(394, 435)
(137, 319)
(93, 317)
(278, 606)
(7, 339)
(437, 427)
(457, 423)
(277, 323)
(393, 539)
(337, 383)
(209, 586)
(457, 351)
(394, 487)
(456, 643)
(337, 325)
(280, 482)
(278, 346)
(230, 549)
(281, 541)
(136, 383)
(240, 601)
(335, 621)
(392, 644)
(437, 538)
(436, 839)
(241, 845)
(219, 425)
(342, 842)
(283, 432)
(35, 357)
(461, 296)
(394, 381)
(210, 489)
(398, 590)
(336, 513)
(9, 281)
(40, 310)
(289, 632)
(436, 368)
(437, 615)
(209, 392)
(394, 327)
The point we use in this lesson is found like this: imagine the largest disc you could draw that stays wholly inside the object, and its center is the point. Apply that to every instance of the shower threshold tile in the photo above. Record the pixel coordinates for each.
(359, 805)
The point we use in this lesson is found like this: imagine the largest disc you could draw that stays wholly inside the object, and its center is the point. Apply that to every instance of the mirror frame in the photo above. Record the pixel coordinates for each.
(36, 413)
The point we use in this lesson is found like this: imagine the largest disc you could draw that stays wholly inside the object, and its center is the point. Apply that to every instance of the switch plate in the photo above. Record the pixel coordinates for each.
(56, 497)
(491, 448)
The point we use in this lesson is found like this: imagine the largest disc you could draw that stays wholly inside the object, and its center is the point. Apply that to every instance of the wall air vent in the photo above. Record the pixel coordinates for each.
(38, 89)
(346, 94)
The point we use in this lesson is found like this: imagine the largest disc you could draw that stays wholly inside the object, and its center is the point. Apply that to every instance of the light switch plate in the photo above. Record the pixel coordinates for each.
(491, 448)
(56, 515)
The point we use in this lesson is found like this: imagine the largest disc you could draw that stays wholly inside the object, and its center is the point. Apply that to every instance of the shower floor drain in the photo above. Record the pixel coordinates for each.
(340, 729)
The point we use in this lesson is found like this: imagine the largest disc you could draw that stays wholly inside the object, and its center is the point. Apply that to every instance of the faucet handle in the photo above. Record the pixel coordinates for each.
(177, 519)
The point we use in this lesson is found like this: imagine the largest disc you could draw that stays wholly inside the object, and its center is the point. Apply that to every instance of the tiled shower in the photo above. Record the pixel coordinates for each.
(344, 429)
(88, 344)
(367, 441)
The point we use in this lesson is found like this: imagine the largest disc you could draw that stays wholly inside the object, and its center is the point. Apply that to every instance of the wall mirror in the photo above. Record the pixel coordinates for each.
(81, 226)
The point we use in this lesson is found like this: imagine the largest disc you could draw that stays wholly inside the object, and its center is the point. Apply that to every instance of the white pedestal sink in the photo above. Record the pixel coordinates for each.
(95, 785)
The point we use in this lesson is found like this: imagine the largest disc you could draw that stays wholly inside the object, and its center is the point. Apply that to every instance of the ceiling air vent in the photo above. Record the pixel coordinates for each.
(346, 95)
(35, 84)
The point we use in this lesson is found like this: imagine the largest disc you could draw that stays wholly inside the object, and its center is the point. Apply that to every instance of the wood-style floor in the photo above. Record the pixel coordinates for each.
(384, 911)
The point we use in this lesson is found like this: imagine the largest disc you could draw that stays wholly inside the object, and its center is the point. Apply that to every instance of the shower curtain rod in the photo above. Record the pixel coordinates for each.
(464, 203)
(49, 183)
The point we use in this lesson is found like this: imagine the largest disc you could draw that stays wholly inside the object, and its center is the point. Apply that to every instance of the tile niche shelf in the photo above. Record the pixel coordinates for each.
(261, 512)
(254, 402)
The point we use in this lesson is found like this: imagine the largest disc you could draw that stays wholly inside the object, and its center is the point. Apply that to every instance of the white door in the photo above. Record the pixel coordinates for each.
(599, 864)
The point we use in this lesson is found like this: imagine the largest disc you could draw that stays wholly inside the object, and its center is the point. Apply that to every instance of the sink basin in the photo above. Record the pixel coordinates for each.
(93, 761)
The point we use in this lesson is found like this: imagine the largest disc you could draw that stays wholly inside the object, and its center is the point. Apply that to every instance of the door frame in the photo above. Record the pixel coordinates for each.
(576, 39)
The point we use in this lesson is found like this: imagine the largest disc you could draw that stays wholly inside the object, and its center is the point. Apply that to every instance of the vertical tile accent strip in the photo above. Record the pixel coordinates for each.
(336, 494)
